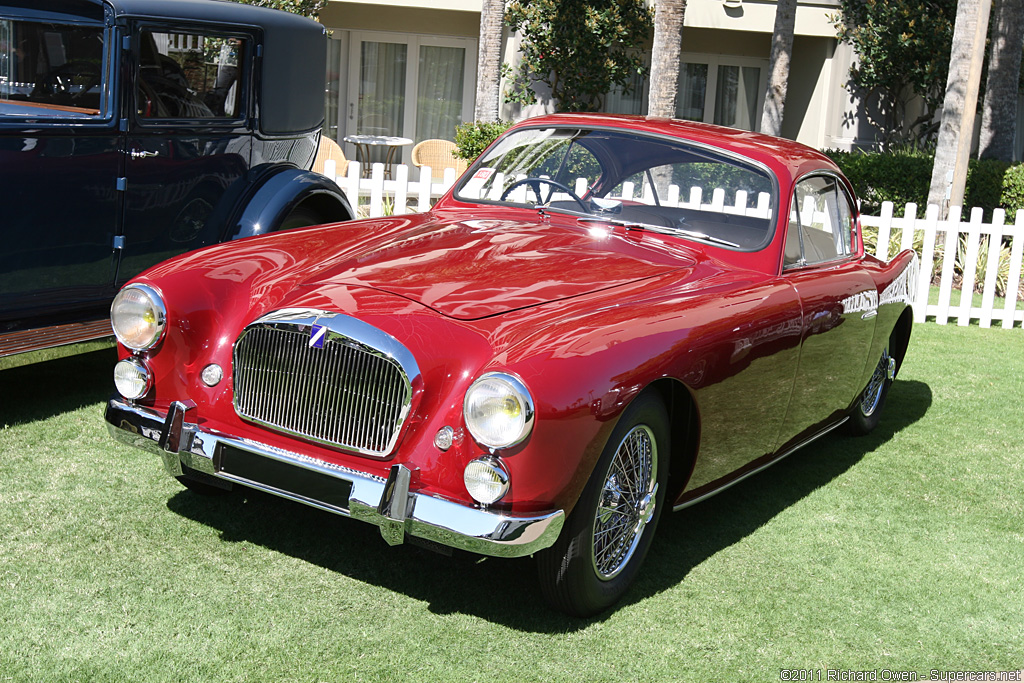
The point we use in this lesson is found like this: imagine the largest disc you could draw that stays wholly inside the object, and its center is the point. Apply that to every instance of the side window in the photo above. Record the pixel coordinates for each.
(190, 76)
(820, 223)
(52, 69)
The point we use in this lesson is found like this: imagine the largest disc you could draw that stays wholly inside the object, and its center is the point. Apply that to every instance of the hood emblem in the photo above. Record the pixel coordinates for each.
(317, 336)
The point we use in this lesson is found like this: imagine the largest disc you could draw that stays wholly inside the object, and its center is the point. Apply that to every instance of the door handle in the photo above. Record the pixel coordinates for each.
(142, 154)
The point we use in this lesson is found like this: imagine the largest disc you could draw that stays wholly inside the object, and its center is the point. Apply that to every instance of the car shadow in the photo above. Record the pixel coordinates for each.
(46, 388)
(506, 591)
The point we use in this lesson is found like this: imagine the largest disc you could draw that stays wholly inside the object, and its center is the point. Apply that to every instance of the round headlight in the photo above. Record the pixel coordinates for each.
(498, 410)
(486, 480)
(138, 316)
(132, 379)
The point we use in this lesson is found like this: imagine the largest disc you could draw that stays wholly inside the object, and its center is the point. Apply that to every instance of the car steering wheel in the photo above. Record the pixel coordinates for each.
(61, 80)
(535, 183)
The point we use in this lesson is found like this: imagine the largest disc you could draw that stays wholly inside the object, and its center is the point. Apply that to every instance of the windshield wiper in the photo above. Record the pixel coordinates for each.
(661, 230)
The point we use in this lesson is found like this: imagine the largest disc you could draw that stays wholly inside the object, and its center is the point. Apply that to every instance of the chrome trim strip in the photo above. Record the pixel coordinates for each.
(763, 467)
(484, 532)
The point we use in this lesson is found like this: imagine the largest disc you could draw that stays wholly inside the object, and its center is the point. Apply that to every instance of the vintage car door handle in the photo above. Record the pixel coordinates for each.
(870, 314)
(142, 154)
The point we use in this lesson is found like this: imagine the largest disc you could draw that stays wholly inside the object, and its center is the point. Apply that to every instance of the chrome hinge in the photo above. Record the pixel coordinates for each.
(118, 241)
(122, 184)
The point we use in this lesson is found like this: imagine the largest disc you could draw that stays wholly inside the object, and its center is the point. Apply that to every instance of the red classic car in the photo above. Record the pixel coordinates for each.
(606, 317)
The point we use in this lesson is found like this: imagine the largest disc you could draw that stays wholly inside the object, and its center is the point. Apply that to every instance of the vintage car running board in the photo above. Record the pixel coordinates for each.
(762, 467)
(24, 341)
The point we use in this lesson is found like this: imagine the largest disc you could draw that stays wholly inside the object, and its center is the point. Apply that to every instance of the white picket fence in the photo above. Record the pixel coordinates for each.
(953, 303)
(402, 194)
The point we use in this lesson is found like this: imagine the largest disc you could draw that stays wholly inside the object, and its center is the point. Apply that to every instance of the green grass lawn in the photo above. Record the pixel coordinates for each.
(902, 550)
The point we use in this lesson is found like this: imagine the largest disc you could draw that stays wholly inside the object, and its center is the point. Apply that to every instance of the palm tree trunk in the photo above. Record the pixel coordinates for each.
(778, 67)
(668, 36)
(488, 70)
(999, 113)
(959, 105)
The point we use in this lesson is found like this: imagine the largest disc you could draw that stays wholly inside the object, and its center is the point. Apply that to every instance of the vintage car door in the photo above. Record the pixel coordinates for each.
(59, 163)
(839, 303)
(189, 139)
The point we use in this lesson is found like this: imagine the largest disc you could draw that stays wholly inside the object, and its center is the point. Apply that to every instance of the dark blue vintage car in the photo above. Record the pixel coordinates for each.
(134, 130)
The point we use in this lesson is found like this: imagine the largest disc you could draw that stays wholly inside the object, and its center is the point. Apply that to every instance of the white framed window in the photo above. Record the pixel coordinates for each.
(722, 89)
(400, 84)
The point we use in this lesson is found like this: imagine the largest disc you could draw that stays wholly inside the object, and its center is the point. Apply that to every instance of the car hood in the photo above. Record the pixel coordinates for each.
(474, 269)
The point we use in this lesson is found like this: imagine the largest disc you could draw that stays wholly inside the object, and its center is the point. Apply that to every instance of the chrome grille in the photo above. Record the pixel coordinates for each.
(351, 393)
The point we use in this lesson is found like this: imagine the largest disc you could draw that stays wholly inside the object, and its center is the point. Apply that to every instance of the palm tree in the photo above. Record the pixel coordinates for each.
(999, 113)
(488, 70)
(668, 36)
(959, 104)
(778, 67)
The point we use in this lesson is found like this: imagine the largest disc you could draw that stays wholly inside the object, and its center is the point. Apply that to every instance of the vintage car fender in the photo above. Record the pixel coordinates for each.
(282, 191)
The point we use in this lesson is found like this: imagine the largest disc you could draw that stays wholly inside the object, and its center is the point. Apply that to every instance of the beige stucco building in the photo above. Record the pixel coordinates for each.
(409, 68)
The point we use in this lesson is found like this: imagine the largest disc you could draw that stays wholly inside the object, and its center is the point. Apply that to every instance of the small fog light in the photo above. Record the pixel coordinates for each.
(444, 438)
(212, 375)
(132, 379)
(486, 480)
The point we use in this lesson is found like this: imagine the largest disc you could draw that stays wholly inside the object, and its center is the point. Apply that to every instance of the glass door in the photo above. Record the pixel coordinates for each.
(407, 85)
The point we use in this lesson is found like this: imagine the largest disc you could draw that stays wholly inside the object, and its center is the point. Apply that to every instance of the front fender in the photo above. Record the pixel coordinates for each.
(281, 191)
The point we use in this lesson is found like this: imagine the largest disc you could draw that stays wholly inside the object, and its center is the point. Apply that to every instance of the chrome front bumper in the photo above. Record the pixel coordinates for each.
(387, 503)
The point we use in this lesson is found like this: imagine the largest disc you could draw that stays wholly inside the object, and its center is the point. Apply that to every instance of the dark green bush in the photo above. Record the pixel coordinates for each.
(1013, 191)
(899, 177)
(904, 176)
(473, 138)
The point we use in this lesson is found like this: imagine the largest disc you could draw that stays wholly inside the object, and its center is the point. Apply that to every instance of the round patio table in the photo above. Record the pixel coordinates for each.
(363, 144)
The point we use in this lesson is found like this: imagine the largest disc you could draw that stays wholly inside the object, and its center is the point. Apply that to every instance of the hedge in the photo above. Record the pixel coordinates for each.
(904, 177)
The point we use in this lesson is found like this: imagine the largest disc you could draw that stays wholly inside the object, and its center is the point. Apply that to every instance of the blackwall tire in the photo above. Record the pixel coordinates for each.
(867, 411)
(608, 534)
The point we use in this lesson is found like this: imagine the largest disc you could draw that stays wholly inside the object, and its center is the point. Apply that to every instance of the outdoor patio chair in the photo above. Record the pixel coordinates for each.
(329, 149)
(438, 155)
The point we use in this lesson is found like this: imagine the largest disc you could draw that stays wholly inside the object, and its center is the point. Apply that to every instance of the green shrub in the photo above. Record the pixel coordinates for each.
(900, 177)
(904, 176)
(1013, 191)
(473, 138)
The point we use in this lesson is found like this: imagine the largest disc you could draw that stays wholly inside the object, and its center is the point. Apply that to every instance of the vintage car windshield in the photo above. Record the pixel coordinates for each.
(667, 185)
(51, 70)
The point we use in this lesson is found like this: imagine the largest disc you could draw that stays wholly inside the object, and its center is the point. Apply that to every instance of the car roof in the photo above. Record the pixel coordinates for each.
(294, 58)
(197, 10)
(786, 158)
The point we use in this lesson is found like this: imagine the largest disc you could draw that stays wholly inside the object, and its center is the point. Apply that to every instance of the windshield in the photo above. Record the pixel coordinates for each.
(51, 70)
(669, 185)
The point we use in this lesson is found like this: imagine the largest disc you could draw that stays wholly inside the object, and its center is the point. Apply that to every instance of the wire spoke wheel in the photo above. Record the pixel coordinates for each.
(872, 396)
(867, 409)
(606, 537)
(627, 502)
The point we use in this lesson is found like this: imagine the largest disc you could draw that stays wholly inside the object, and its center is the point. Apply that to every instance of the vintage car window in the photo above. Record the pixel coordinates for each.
(52, 70)
(671, 185)
(190, 76)
(820, 223)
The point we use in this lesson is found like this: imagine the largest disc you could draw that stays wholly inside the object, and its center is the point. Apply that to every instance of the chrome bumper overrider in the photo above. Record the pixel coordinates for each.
(388, 503)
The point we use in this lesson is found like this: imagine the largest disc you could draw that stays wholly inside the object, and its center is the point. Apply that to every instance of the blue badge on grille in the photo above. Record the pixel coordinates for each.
(317, 336)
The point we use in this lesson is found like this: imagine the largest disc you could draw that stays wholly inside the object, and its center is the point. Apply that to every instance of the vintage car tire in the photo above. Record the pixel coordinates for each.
(300, 217)
(573, 577)
(867, 411)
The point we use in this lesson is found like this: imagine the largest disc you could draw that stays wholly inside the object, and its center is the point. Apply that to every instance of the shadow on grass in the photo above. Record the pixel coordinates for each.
(506, 591)
(51, 387)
